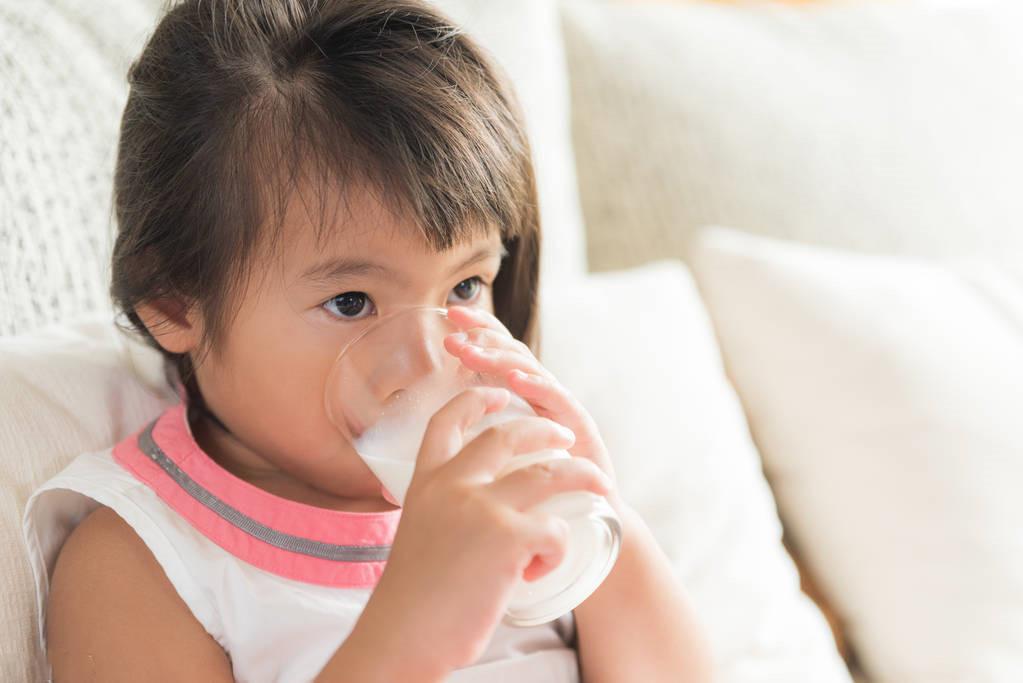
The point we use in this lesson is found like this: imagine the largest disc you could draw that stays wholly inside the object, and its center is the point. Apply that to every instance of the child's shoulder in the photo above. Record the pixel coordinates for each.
(106, 554)
(111, 566)
(104, 540)
(130, 621)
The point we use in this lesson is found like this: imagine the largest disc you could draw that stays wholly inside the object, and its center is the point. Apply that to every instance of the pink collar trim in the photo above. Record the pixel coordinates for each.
(319, 544)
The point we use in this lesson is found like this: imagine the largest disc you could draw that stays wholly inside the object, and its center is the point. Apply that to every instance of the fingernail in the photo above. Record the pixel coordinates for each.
(460, 337)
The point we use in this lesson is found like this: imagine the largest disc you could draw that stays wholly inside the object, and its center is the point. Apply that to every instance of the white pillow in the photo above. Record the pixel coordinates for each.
(63, 66)
(877, 126)
(63, 391)
(886, 396)
(636, 347)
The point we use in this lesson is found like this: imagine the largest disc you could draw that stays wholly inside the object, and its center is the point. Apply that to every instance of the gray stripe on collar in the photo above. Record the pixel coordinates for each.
(290, 542)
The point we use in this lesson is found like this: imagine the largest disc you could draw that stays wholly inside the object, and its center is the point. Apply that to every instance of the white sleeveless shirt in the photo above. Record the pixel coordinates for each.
(278, 584)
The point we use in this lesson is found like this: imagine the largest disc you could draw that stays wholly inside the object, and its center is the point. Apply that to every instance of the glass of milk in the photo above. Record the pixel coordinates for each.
(382, 390)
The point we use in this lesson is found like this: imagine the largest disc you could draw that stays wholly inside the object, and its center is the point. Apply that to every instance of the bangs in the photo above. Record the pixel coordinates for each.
(337, 111)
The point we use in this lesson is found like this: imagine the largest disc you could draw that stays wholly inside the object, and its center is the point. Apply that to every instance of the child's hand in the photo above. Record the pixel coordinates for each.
(489, 347)
(465, 539)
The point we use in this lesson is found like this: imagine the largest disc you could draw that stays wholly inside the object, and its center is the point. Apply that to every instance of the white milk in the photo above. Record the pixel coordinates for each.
(390, 448)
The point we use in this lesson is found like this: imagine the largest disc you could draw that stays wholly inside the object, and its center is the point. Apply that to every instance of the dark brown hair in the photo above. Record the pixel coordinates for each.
(232, 101)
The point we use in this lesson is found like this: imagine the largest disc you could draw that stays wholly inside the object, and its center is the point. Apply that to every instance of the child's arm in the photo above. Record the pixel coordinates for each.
(639, 626)
(113, 615)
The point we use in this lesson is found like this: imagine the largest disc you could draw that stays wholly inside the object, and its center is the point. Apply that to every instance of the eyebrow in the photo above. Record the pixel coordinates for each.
(341, 268)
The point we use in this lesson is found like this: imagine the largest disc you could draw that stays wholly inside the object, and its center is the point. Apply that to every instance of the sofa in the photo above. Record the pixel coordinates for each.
(782, 268)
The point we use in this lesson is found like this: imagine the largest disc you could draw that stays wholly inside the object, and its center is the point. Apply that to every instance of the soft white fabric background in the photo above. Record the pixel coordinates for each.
(871, 125)
(886, 396)
(62, 66)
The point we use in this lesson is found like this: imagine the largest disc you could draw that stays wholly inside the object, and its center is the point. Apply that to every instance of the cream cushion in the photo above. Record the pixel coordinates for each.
(64, 390)
(657, 390)
(876, 126)
(885, 395)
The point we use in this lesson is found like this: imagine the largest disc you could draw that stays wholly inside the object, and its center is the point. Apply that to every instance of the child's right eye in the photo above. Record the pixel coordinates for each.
(348, 306)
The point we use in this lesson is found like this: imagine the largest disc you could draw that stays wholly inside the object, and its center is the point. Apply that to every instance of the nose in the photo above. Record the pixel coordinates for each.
(414, 353)
(399, 354)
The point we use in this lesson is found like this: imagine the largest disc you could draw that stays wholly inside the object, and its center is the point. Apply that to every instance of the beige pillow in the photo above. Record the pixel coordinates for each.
(875, 126)
(885, 394)
(64, 390)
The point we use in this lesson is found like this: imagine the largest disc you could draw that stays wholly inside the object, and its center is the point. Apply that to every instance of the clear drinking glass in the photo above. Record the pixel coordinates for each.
(383, 389)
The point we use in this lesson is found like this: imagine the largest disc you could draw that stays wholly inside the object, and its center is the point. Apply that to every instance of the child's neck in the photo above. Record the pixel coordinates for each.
(224, 449)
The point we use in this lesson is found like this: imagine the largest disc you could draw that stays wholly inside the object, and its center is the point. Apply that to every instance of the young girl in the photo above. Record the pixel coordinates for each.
(287, 172)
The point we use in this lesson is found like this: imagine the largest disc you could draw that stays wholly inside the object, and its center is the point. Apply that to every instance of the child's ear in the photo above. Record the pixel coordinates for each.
(175, 325)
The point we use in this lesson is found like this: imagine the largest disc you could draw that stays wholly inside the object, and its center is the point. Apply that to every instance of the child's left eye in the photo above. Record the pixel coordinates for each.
(349, 306)
(468, 289)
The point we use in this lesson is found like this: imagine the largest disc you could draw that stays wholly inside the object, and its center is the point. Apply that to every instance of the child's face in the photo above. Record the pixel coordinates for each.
(265, 379)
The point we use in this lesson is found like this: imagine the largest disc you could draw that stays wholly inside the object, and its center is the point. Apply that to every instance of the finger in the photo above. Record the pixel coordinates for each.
(548, 395)
(499, 361)
(486, 454)
(471, 316)
(445, 432)
(485, 337)
(533, 484)
(549, 398)
(547, 539)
